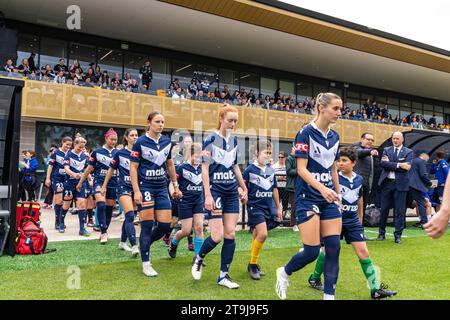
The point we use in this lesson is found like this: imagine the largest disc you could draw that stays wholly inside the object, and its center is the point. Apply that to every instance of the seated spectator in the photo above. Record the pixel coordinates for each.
(134, 86)
(127, 80)
(47, 73)
(75, 65)
(60, 78)
(98, 74)
(88, 82)
(432, 121)
(227, 92)
(91, 76)
(77, 74)
(352, 114)
(116, 82)
(10, 67)
(178, 94)
(174, 85)
(24, 68)
(61, 67)
(385, 113)
(345, 111)
(104, 80)
(358, 116)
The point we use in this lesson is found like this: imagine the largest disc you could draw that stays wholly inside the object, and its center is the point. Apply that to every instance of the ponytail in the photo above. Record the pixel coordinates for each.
(324, 99)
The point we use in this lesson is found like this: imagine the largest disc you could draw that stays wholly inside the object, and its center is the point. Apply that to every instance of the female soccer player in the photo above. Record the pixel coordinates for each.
(121, 162)
(317, 195)
(99, 164)
(221, 177)
(75, 163)
(352, 230)
(150, 157)
(190, 207)
(56, 176)
(262, 190)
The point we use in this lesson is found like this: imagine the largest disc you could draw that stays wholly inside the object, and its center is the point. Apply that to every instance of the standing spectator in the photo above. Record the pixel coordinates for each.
(98, 74)
(60, 77)
(126, 82)
(364, 166)
(291, 176)
(280, 175)
(61, 67)
(205, 85)
(419, 184)
(49, 195)
(104, 80)
(276, 95)
(31, 62)
(385, 114)
(30, 165)
(24, 68)
(394, 182)
(10, 67)
(146, 74)
(439, 168)
(432, 121)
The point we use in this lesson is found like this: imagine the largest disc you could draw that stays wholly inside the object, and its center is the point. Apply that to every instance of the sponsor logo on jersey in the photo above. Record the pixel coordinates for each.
(323, 177)
(229, 175)
(194, 188)
(351, 208)
(264, 194)
(155, 173)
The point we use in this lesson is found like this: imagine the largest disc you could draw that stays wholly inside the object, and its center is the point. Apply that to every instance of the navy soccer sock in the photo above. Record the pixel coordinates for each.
(331, 266)
(208, 246)
(81, 218)
(301, 259)
(159, 231)
(58, 209)
(145, 238)
(101, 215)
(228, 247)
(128, 226)
(62, 217)
(108, 215)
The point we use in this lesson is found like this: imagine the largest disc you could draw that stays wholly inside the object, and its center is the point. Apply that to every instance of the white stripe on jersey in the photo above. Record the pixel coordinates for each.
(124, 162)
(60, 160)
(323, 156)
(351, 196)
(223, 157)
(103, 159)
(78, 165)
(265, 183)
(157, 157)
(192, 177)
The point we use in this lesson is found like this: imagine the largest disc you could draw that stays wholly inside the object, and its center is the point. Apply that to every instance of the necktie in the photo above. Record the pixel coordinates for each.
(396, 154)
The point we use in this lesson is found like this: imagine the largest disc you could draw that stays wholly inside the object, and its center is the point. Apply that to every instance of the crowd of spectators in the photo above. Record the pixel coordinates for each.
(203, 90)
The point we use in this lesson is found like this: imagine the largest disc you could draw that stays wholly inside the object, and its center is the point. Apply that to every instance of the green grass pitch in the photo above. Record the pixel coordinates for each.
(417, 269)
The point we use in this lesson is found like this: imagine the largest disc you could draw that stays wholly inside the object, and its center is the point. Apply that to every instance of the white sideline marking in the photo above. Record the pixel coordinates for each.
(386, 234)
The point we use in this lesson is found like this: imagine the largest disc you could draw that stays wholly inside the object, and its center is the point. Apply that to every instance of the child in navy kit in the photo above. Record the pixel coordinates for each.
(262, 192)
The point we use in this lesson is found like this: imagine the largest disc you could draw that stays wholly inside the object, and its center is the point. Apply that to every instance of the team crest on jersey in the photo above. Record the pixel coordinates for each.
(325, 157)
(103, 159)
(124, 162)
(192, 177)
(265, 183)
(157, 157)
(315, 209)
(224, 157)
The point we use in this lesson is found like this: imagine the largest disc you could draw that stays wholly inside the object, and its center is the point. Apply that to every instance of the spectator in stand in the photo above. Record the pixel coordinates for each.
(368, 111)
(10, 67)
(385, 114)
(104, 80)
(205, 85)
(88, 83)
(432, 121)
(60, 77)
(98, 74)
(345, 112)
(134, 87)
(146, 74)
(358, 116)
(227, 92)
(91, 76)
(178, 94)
(75, 65)
(77, 74)
(126, 82)
(174, 85)
(24, 68)
(193, 88)
(47, 73)
(61, 67)
(116, 82)
(201, 96)
(276, 95)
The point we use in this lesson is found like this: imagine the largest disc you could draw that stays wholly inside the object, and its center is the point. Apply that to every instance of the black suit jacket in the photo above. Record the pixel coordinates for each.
(418, 175)
(401, 175)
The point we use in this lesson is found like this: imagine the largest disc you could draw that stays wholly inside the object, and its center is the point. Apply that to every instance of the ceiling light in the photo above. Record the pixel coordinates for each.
(185, 67)
(110, 51)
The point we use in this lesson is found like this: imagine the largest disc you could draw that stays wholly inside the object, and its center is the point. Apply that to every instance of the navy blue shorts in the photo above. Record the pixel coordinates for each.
(257, 216)
(175, 203)
(124, 190)
(70, 190)
(157, 199)
(57, 186)
(186, 209)
(225, 203)
(438, 194)
(353, 233)
(325, 210)
(111, 192)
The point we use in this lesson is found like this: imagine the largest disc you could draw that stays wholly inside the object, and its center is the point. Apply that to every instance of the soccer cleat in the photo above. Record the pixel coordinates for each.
(124, 246)
(381, 237)
(398, 241)
(97, 229)
(166, 240)
(382, 292)
(134, 251)
(90, 223)
(56, 226)
(84, 233)
(172, 249)
(190, 246)
(261, 273)
(149, 271)
(253, 271)
(295, 228)
(282, 284)
(227, 282)
(62, 228)
(103, 238)
(196, 269)
(316, 284)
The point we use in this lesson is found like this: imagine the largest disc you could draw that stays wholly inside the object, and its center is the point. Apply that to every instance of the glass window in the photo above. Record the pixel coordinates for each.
(439, 112)
(428, 111)
(365, 96)
(353, 104)
(27, 43)
(319, 89)
(393, 110)
(184, 71)
(85, 54)
(287, 88)
(304, 91)
(268, 86)
(110, 60)
(404, 111)
(133, 62)
(337, 91)
(161, 73)
(417, 107)
(51, 51)
(230, 79)
(392, 101)
(381, 101)
(249, 82)
(352, 94)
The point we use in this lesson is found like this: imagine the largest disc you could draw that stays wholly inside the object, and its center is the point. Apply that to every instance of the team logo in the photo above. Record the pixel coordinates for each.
(134, 154)
(302, 147)
(206, 153)
(315, 209)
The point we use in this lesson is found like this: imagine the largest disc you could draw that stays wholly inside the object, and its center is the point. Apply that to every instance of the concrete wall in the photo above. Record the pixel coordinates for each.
(27, 135)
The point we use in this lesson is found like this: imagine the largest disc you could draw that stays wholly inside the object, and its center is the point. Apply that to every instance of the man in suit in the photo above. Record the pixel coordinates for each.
(419, 184)
(394, 182)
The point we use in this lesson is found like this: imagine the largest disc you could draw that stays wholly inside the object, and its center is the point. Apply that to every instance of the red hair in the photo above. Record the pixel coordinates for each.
(223, 112)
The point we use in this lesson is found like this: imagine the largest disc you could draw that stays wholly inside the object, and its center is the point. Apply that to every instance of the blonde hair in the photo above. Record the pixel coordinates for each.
(223, 112)
(79, 139)
(324, 99)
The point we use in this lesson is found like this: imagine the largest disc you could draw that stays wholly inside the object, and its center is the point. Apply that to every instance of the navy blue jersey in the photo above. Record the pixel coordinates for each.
(57, 162)
(221, 155)
(190, 181)
(260, 184)
(121, 162)
(152, 156)
(351, 191)
(100, 160)
(321, 151)
(76, 162)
